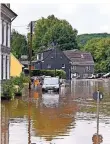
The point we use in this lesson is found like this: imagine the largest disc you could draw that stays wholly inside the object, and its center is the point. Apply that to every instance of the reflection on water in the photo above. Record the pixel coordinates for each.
(68, 117)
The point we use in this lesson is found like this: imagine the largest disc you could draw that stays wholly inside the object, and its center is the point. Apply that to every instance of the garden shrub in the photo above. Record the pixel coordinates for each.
(51, 73)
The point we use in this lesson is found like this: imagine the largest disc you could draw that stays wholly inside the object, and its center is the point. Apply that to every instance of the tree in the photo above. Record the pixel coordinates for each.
(52, 29)
(100, 49)
(84, 38)
(18, 44)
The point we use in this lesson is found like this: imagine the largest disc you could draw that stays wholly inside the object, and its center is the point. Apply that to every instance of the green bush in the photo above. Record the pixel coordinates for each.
(8, 89)
(51, 73)
(19, 81)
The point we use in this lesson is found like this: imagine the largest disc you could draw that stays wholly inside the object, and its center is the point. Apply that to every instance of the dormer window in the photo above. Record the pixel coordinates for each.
(40, 56)
(37, 57)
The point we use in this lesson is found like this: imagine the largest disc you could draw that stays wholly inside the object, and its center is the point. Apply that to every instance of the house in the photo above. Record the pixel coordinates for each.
(73, 62)
(53, 59)
(15, 66)
(7, 16)
(25, 62)
(82, 63)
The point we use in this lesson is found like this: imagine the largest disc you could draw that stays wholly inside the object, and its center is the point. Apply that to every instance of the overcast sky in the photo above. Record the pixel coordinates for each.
(85, 17)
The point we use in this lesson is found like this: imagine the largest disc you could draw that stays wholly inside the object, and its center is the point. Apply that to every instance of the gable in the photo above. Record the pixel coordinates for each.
(15, 60)
(52, 53)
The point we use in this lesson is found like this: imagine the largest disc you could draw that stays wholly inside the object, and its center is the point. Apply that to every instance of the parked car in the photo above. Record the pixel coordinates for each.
(51, 83)
(106, 75)
(99, 75)
(91, 77)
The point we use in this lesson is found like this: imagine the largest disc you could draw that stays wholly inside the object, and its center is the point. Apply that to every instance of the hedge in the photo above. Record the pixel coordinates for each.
(51, 73)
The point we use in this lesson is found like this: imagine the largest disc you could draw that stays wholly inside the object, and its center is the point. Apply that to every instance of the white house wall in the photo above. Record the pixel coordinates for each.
(6, 16)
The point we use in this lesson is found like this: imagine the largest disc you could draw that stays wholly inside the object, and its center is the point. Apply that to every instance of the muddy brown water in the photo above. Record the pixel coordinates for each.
(51, 118)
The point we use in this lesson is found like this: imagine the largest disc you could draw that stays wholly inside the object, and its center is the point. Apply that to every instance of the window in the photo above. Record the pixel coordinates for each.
(40, 56)
(2, 32)
(48, 66)
(74, 67)
(2, 67)
(7, 35)
(82, 56)
(6, 67)
(9, 30)
(63, 65)
(88, 68)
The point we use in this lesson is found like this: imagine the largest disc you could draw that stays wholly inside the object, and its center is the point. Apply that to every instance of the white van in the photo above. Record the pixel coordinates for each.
(51, 83)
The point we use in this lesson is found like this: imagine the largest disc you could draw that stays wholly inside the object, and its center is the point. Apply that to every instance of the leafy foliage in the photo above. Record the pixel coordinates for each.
(18, 44)
(59, 73)
(9, 89)
(84, 38)
(100, 49)
(19, 81)
(52, 29)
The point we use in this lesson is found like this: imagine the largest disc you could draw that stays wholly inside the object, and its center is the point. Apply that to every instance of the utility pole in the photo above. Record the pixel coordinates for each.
(98, 100)
(55, 57)
(30, 52)
(98, 96)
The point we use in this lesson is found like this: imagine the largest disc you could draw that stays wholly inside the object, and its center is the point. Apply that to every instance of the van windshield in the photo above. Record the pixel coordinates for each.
(51, 81)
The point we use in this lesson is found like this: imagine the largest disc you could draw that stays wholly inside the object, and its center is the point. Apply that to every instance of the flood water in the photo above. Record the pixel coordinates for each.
(51, 118)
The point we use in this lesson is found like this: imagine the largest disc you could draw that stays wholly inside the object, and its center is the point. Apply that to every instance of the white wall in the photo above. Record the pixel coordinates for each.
(0, 31)
(4, 55)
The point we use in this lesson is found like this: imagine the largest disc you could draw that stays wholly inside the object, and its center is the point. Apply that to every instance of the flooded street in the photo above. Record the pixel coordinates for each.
(51, 118)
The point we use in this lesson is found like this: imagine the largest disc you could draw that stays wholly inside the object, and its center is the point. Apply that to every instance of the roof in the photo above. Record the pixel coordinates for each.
(46, 50)
(79, 58)
(9, 9)
(25, 62)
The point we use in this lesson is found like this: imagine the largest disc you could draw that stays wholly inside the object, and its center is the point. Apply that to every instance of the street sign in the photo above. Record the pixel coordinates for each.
(97, 94)
(97, 138)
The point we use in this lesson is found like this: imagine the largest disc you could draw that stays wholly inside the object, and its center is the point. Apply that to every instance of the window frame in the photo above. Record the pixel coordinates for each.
(48, 66)
(63, 66)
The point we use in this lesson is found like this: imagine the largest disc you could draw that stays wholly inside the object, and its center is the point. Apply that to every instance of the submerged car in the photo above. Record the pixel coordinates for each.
(51, 83)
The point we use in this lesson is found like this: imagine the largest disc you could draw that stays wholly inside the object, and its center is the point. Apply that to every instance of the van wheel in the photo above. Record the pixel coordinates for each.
(43, 91)
(57, 90)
